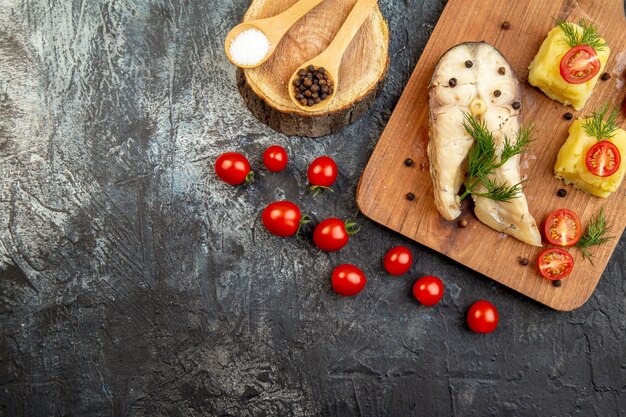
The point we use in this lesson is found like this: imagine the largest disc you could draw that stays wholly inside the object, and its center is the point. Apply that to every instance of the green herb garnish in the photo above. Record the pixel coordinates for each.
(483, 159)
(589, 36)
(596, 127)
(594, 235)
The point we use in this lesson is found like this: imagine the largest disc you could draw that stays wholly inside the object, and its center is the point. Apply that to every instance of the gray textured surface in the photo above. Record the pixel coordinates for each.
(134, 283)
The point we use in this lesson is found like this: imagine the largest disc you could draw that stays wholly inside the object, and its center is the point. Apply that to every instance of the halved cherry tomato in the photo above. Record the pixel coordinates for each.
(282, 218)
(482, 317)
(398, 260)
(428, 290)
(322, 173)
(233, 168)
(603, 159)
(555, 264)
(275, 158)
(562, 228)
(333, 234)
(348, 280)
(580, 64)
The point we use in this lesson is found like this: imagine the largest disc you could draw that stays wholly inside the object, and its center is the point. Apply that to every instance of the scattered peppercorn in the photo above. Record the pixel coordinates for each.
(517, 105)
(557, 283)
(605, 76)
(501, 71)
(452, 82)
(568, 116)
(523, 261)
(469, 64)
(497, 93)
(312, 86)
(506, 25)
(408, 162)
(562, 192)
(410, 196)
(462, 223)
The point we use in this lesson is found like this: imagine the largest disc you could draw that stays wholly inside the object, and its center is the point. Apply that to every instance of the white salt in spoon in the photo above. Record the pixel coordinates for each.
(272, 29)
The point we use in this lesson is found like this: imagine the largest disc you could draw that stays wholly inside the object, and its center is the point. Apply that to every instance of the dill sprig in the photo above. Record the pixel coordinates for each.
(596, 127)
(589, 35)
(483, 159)
(499, 192)
(594, 235)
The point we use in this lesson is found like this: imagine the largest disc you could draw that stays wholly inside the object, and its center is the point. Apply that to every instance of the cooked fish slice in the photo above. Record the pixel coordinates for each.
(475, 78)
(447, 158)
(511, 217)
(449, 141)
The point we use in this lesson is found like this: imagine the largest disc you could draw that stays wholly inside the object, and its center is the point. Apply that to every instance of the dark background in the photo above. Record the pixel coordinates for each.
(134, 283)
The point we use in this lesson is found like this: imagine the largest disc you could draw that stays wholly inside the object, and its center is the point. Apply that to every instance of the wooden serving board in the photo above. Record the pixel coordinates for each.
(361, 74)
(381, 194)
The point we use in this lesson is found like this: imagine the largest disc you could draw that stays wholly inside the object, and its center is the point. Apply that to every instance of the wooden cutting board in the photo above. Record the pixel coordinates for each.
(381, 194)
(361, 75)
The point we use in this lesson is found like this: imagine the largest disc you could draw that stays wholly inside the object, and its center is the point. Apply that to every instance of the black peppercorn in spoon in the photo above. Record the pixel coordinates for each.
(330, 58)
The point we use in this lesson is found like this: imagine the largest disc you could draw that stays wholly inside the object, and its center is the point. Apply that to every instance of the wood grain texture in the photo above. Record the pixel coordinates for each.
(386, 180)
(361, 74)
(134, 283)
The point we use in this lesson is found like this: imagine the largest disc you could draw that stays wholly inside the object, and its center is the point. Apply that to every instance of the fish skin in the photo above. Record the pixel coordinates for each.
(449, 143)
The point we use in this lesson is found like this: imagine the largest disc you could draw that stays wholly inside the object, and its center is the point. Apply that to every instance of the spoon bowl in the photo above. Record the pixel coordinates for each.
(239, 29)
(274, 28)
(333, 75)
(330, 58)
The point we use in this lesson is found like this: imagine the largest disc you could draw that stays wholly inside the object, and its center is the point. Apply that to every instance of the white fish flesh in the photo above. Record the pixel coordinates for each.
(474, 78)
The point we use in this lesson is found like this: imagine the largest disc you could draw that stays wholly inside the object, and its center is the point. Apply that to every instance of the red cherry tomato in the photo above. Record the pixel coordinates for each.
(333, 234)
(428, 290)
(482, 317)
(579, 64)
(233, 168)
(603, 159)
(348, 280)
(275, 158)
(398, 260)
(282, 218)
(555, 264)
(562, 228)
(322, 173)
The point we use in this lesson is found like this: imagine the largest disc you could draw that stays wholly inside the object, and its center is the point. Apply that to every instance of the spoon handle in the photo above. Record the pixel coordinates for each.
(349, 29)
(279, 25)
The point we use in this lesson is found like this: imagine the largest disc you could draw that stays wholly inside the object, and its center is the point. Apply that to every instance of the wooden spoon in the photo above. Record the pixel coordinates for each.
(330, 58)
(274, 28)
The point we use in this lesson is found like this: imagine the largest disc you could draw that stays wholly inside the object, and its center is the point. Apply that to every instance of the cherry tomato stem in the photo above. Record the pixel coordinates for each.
(320, 189)
(306, 219)
(352, 227)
